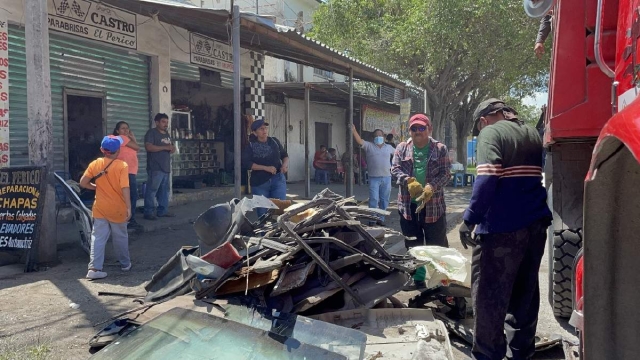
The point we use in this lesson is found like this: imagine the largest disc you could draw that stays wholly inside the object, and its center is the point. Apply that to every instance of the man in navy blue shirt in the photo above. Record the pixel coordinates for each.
(268, 162)
(510, 216)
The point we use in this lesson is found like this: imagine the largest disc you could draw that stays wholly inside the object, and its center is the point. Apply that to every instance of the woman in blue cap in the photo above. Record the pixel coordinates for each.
(268, 162)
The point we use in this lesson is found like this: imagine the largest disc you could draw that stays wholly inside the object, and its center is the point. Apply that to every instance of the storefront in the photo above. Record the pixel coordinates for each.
(94, 84)
(201, 124)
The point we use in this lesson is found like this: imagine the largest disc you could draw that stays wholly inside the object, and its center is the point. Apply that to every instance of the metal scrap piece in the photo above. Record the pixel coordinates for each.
(282, 221)
(292, 277)
(315, 297)
(328, 225)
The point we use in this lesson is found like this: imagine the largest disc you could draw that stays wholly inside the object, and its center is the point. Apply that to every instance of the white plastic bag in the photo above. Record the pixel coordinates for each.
(444, 265)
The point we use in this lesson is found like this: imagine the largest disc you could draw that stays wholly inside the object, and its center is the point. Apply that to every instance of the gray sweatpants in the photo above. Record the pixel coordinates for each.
(102, 228)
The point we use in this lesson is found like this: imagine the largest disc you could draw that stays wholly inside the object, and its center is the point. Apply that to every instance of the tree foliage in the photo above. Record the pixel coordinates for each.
(460, 51)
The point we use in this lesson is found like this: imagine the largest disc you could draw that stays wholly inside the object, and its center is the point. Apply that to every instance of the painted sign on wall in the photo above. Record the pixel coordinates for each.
(21, 198)
(386, 121)
(210, 53)
(5, 155)
(95, 21)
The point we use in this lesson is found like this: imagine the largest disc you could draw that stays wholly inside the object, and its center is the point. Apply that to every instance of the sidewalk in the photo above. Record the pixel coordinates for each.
(456, 199)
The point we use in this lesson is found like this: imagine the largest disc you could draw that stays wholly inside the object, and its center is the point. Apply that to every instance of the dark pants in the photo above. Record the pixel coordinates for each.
(133, 190)
(505, 292)
(425, 233)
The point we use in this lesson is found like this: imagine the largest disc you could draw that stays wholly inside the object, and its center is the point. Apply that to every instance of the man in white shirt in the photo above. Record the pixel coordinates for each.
(378, 155)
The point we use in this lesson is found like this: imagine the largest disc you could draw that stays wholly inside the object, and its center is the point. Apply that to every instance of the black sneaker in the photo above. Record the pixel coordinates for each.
(150, 217)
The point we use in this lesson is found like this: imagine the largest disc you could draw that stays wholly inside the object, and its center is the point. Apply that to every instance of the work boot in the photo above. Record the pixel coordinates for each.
(150, 217)
(168, 214)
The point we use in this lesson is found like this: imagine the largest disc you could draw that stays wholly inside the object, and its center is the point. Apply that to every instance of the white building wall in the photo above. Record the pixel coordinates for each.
(319, 113)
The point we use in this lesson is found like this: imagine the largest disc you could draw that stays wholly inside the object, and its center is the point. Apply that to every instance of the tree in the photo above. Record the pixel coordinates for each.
(460, 51)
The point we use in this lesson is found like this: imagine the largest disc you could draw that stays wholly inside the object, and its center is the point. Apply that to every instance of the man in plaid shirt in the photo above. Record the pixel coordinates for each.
(422, 166)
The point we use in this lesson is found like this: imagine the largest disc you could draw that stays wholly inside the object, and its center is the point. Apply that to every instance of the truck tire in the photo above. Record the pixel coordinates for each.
(566, 244)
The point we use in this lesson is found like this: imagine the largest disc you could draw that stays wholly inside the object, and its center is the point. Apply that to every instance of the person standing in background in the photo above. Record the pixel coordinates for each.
(389, 141)
(109, 178)
(129, 154)
(157, 142)
(268, 162)
(378, 156)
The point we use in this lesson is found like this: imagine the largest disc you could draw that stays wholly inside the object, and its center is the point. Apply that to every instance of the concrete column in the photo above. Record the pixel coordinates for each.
(40, 120)
(160, 93)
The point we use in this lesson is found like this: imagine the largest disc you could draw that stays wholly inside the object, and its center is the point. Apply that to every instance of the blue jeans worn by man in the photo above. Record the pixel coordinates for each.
(379, 192)
(157, 188)
(133, 190)
(274, 188)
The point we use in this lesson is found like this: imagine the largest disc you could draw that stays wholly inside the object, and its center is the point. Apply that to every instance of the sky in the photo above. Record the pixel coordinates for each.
(538, 99)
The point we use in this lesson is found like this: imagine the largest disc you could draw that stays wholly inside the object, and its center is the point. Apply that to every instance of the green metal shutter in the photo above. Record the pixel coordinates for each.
(81, 65)
(18, 134)
(184, 71)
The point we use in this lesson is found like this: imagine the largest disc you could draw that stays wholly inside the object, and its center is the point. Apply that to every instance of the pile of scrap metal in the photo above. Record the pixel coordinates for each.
(316, 264)
(317, 257)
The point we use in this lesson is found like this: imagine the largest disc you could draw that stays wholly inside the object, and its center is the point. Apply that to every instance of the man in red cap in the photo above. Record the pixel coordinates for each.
(422, 167)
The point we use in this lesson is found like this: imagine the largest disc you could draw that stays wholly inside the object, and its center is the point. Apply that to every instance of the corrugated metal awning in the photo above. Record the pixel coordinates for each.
(327, 92)
(259, 34)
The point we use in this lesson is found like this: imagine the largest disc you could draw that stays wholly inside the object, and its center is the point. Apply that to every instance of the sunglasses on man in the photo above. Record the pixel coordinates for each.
(418, 128)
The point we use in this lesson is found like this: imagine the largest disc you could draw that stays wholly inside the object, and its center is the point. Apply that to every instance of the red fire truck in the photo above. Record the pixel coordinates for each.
(592, 172)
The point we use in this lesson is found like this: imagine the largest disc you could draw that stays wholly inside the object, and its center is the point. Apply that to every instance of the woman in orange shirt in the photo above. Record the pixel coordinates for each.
(129, 154)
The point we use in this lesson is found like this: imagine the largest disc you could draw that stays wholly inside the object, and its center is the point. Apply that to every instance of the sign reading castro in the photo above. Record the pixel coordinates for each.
(94, 21)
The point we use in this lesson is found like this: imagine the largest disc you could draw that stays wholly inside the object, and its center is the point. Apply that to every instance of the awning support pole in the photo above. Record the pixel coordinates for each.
(307, 169)
(349, 172)
(237, 122)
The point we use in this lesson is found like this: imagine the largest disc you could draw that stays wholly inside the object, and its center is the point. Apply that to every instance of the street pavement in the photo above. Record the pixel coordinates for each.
(150, 249)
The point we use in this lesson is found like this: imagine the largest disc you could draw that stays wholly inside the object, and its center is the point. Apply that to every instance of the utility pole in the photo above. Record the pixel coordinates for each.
(349, 177)
(39, 119)
(237, 119)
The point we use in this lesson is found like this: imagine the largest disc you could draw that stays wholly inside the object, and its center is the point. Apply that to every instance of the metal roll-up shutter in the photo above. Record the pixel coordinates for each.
(226, 79)
(81, 65)
(18, 133)
(184, 71)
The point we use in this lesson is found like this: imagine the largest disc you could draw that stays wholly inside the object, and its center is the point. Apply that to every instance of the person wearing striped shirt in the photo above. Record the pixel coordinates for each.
(509, 214)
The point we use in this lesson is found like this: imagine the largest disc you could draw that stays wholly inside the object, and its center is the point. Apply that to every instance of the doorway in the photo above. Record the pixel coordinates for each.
(323, 135)
(84, 128)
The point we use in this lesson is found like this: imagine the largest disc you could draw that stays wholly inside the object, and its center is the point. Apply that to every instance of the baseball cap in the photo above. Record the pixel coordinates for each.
(488, 107)
(419, 119)
(258, 124)
(111, 143)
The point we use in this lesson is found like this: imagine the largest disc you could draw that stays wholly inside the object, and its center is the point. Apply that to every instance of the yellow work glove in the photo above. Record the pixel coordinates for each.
(415, 189)
(423, 199)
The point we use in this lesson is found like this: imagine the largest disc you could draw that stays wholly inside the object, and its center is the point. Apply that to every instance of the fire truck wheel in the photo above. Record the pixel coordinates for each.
(566, 244)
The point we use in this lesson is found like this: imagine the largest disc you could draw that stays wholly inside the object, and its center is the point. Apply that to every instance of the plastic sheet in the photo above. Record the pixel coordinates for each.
(444, 265)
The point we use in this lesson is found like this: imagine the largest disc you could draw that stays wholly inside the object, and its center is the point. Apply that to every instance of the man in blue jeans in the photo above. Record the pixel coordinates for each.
(159, 148)
(268, 162)
(378, 155)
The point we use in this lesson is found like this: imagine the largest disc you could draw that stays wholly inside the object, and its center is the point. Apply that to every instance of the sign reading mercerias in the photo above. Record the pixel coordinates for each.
(95, 21)
(210, 53)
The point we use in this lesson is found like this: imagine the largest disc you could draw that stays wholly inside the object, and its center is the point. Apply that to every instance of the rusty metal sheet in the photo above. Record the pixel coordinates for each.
(292, 277)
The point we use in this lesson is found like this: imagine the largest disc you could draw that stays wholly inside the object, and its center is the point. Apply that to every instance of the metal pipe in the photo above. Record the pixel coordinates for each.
(614, 93)
(349, 175)
(237, 122)
(596, 44)
(307, 170)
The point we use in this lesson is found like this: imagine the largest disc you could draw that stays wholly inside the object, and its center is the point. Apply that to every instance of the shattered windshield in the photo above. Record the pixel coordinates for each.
(186, 334)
